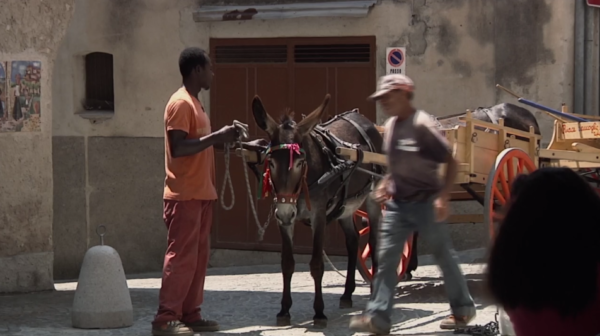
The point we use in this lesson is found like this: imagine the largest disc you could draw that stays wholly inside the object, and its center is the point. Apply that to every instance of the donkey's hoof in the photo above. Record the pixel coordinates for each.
(345, 303)
(320, 323)
(284, 321)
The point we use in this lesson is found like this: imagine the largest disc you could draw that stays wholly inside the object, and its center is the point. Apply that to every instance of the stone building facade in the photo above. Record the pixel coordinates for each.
(107, 68)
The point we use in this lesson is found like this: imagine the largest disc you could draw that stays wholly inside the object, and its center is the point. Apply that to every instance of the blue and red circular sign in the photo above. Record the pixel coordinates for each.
(396, 58)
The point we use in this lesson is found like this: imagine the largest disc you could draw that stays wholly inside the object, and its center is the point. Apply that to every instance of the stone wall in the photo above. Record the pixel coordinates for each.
(31, 31)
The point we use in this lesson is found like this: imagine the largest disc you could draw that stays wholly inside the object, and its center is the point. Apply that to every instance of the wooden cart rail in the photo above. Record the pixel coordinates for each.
(474, 147)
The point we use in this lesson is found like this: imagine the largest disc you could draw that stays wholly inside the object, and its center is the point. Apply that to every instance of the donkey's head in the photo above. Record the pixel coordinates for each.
(286, 163)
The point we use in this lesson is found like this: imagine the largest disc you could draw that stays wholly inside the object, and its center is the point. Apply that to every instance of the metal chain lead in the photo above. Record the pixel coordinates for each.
(490, 329)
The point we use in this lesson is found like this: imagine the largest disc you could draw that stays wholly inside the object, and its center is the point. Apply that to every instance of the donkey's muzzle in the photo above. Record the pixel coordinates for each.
(285, 214)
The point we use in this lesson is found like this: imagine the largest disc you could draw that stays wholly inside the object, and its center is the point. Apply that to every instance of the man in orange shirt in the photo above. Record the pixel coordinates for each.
(189, 195)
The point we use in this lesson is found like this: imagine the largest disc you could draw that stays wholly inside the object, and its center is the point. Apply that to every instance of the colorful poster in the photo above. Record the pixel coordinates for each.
(23, 96)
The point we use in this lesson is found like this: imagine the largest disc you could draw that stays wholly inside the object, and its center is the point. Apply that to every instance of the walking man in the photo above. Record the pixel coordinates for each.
(419, 202)
(189, 194)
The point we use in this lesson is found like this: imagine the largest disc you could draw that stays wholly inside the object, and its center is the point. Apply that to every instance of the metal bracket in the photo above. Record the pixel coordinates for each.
(100, 231)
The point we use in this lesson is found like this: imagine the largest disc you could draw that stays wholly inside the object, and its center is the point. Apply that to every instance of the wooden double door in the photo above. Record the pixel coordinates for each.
(293, 73)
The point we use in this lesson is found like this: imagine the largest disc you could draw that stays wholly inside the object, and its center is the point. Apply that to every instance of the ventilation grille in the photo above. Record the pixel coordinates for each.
(333, 53)
(251, 54)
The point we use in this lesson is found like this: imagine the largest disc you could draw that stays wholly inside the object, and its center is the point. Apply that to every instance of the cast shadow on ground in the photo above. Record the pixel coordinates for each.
(233, 309)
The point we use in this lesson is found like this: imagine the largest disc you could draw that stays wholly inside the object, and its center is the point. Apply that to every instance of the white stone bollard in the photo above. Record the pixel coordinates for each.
(102, 298)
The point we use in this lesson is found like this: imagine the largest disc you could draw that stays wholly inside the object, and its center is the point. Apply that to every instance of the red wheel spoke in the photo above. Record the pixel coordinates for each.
(520, 167)
(366, 252)
(511, 172)
(361, 213)
(499, 196)
(505, 189)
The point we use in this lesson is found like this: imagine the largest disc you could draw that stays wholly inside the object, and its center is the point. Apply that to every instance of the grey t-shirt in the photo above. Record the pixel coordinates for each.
(415, 148)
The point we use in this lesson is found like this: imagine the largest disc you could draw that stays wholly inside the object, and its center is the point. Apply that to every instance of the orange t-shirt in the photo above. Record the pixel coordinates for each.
(188, 177)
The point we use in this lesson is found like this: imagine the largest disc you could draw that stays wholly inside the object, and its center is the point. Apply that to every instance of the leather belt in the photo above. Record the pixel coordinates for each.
(420, 196)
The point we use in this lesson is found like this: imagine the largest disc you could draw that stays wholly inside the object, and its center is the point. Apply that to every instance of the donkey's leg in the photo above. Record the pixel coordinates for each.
(351, 234)
(374, 213)
(317, 268)
(288, 265)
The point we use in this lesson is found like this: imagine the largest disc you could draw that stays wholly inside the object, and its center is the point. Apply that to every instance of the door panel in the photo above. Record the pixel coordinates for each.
(353, 90)
(310, 87)
(272, 85)
(248, 67)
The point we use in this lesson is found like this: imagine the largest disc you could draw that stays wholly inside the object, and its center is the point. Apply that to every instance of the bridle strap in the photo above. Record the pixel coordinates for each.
(305, 187)
(302, 185)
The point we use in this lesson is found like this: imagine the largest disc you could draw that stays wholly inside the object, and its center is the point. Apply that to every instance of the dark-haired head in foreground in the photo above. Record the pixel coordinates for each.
(547, 251)
(196, 69)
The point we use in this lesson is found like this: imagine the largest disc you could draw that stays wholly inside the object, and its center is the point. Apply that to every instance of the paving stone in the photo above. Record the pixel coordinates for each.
(245, 301)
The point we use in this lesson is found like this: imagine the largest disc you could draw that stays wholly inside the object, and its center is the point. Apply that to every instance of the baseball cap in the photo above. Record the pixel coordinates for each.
(393, 82)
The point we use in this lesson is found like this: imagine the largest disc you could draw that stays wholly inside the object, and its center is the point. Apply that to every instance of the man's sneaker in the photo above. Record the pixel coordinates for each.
(203, 325)
(453, 322)
(172, 328)
(363, 323)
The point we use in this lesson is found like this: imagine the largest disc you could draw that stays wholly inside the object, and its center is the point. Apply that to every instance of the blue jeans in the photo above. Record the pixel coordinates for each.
(400, 220)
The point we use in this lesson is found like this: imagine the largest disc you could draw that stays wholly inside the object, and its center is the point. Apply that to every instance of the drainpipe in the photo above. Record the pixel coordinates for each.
(586, 86)
(592, 76)
(579, 73)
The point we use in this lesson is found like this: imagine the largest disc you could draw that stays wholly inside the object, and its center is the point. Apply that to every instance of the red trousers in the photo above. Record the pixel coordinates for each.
(184, 269)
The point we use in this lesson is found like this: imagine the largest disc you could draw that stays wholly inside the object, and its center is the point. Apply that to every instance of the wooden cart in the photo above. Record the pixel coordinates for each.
(490, 157)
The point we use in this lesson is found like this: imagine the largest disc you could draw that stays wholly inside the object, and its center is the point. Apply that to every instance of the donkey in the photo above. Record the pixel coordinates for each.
(297, 158)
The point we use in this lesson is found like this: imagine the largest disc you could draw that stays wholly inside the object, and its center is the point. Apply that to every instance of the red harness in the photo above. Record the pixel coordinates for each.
(267, 184)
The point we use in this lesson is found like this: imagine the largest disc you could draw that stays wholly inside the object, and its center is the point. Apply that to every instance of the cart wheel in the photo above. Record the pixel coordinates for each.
(364, 250)
(510, 163)
(591, 175)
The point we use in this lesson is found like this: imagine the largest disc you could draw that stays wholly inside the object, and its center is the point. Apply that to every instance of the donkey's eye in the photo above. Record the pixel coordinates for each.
(271, 165)
(299, 163)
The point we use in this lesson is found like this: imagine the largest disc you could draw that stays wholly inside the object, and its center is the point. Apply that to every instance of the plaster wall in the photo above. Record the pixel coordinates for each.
(110, 172)
(30, 30)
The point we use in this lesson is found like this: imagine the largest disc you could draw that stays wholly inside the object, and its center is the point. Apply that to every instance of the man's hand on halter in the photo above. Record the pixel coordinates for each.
(255, 145)
(442, 208)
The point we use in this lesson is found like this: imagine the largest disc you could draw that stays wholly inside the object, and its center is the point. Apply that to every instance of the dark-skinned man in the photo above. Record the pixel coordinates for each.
(189, 194)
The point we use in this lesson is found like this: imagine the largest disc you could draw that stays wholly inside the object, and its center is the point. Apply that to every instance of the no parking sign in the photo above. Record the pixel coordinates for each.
(593, 3)
(395, 61)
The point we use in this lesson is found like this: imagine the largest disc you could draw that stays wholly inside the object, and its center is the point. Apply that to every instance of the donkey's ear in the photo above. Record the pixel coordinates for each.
(313, 119)
(263, 120)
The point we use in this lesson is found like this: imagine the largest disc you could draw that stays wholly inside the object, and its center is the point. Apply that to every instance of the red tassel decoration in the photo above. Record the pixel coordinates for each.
(266, 183)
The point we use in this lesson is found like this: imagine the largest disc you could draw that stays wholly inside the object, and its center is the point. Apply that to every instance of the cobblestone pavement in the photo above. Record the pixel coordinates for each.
(245, 301)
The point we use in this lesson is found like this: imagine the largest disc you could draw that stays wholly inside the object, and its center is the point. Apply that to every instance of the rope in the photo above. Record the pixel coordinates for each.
(332, 265)
(227, 181)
